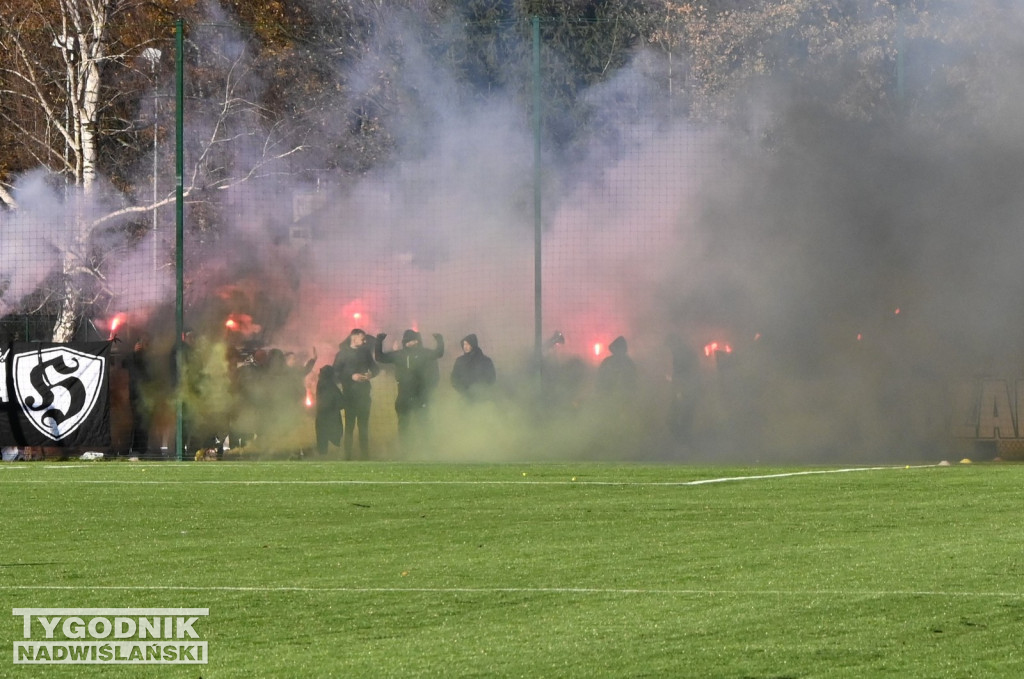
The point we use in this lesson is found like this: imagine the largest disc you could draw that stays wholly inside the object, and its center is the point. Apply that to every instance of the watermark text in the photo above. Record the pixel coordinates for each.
(110, 636)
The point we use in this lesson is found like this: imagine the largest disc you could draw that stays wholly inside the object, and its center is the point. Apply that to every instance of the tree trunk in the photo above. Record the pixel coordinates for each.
(85, 49)
(67, 320)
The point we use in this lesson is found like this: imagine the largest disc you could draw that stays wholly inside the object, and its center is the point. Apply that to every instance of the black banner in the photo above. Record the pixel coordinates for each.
(55, 394)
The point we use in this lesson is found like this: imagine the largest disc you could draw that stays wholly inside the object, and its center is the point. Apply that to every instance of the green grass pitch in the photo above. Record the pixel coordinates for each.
(534, 570)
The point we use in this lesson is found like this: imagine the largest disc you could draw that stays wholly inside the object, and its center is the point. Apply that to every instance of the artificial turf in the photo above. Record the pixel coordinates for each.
(531, 570)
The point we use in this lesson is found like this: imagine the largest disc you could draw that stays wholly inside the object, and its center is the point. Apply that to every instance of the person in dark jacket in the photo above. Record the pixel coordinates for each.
(415, 372)
(617, 402)
(138, 383)
(685, 383)
(354, 367)
(473, 373)
(283, 403)
(329, 404)
(616, 376)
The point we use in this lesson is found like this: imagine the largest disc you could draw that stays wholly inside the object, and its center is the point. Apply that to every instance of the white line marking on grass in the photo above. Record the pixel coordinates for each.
(785, 474)
(512, 590)
(510, 482)
(69, 466)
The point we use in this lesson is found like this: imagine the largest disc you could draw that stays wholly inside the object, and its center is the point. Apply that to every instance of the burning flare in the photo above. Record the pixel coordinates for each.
(116, 322)
(241, 324)
(713, 348)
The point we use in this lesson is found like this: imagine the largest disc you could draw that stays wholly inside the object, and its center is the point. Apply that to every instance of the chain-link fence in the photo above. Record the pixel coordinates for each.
(442, 239)
(548, 199)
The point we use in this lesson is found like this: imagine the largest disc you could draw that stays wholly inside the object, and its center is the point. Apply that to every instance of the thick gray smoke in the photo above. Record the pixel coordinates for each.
(806, 286)
(862, 270)
(857, 271)
(22, 234)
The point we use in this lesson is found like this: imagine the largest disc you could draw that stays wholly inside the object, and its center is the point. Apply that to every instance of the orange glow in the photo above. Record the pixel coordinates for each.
(859, 337)
(355, 310)
(116, 322)
(242, 324)
(897, 312)
(597, 349)
(713, 348)
(309, 400)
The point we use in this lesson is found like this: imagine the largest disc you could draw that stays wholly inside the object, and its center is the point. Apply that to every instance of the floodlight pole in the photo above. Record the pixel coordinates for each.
(900, 47)
(152, 55)
(179, 204)
(538, 316)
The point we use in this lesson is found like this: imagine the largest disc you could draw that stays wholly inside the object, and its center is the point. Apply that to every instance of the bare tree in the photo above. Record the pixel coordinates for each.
(61, 56)
(57, 52)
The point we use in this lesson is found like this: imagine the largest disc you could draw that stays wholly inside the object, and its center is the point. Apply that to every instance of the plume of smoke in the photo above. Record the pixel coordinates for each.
(24, 231)
(443, 241)
(857, 269)
(874, 261)
(52, 225)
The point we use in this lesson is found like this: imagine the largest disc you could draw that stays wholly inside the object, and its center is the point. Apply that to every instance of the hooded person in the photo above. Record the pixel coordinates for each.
(354, 367)
(329, 404)
(616, 376)
(139, 386)
(685, 382)
(473, 373)
(281, 402)
(416, 373)
(617, 404)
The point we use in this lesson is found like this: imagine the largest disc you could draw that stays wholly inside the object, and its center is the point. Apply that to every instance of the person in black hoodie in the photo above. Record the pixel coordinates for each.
(473, 373)
(415, 372)
(617, 401)
(616, 376)
(329, 404)
(354, 367)
(139, 382)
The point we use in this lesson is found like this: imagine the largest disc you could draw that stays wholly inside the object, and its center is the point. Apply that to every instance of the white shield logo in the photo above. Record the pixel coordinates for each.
(57, 388)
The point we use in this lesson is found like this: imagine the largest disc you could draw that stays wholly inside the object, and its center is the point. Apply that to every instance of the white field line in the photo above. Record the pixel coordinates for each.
(512, 590)
(517, 482)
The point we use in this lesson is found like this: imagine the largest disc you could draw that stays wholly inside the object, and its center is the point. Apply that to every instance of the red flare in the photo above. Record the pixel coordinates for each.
(713, 348)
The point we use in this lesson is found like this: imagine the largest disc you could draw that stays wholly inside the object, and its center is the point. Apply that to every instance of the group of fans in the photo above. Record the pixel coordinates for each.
(236, 398)
(344, 385)
(231, 398)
